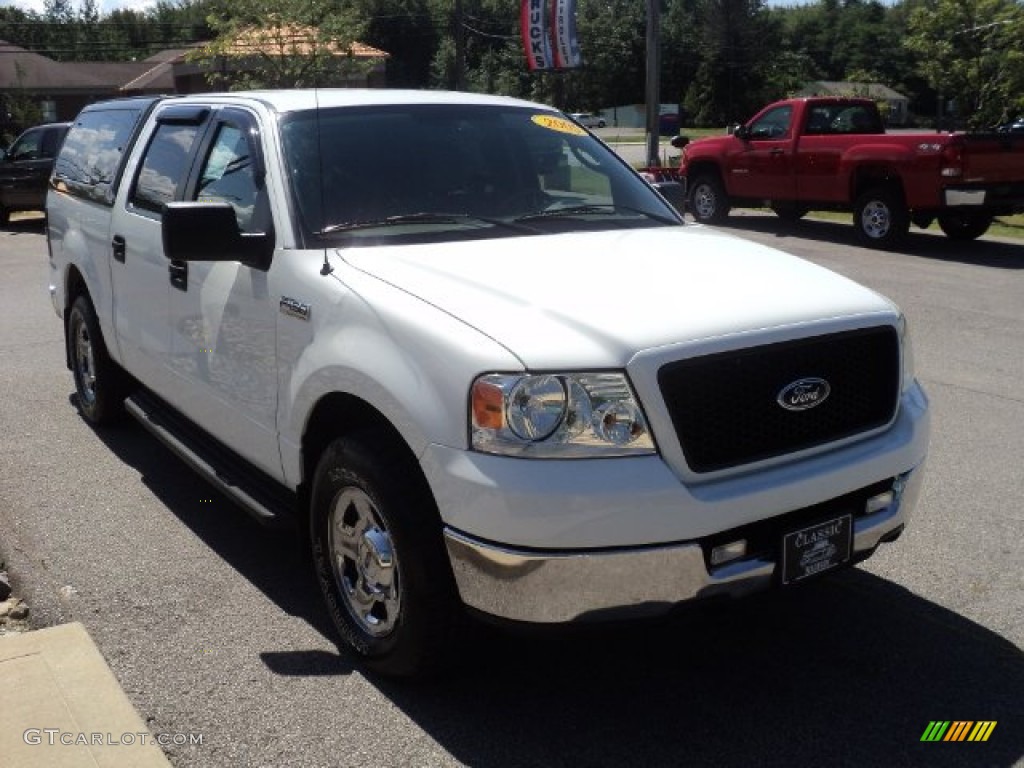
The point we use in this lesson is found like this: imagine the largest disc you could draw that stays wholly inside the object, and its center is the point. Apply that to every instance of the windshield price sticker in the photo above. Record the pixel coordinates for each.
(816, 549)
(559, 124)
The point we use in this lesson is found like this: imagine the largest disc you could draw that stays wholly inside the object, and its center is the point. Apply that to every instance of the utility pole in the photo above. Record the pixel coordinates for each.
(653, 83)
(460, 48)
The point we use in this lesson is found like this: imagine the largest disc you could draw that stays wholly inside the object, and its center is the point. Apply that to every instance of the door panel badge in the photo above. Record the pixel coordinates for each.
(295, 308)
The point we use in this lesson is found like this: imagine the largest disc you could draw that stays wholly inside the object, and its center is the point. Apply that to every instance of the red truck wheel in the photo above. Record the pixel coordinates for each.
(881, 217)
(708, 202)
(964, 226)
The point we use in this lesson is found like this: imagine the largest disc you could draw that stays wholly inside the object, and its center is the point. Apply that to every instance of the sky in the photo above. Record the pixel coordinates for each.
(103, 6)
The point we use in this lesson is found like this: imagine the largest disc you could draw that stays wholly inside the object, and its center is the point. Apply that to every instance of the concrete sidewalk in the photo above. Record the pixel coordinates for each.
(62, 707)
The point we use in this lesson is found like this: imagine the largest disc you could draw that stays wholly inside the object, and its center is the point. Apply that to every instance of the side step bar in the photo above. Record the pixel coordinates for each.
(258, 494)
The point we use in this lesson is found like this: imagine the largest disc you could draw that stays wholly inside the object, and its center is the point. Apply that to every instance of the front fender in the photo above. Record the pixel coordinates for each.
(409, 360)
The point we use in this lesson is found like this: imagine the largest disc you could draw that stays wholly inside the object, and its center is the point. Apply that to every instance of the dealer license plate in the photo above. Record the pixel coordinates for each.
(816, 549)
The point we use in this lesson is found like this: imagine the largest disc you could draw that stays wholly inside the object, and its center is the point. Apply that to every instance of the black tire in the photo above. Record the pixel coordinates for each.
(99, 382)
(379, 557)
(881, 217)
(5, 216)
(790, 212)
(708, 203)
(964, 226)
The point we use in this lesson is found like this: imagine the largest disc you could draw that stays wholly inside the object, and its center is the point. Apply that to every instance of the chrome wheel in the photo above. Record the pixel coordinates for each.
(876, 220)
(704, 202)
(364, 563)
(84, 360)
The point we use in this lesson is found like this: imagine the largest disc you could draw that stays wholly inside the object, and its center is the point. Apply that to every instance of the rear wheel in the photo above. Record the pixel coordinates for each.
(708, 202)
(99, 382)
(379, 557)
(881, 217)
(964, 226)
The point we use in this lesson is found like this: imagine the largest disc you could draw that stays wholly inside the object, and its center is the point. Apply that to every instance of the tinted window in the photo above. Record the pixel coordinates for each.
(164, 167)
(89, 160)
(474, 172)
(773, 124)
(28, 146)
(829, 119)
(227, 175)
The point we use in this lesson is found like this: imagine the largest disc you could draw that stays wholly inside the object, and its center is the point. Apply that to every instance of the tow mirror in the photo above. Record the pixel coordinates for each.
(680, 141)
(741, 132)
(208, 231)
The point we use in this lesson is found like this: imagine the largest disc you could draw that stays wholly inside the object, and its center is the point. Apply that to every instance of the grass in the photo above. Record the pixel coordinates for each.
(1003, 226)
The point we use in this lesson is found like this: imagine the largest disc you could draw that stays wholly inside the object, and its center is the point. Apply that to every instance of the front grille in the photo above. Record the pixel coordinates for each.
(725, 410)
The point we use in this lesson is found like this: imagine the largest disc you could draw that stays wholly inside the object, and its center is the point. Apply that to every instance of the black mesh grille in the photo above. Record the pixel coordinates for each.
(725, 407)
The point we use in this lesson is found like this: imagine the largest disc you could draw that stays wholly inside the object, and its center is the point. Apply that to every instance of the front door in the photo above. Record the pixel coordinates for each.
(223, 323)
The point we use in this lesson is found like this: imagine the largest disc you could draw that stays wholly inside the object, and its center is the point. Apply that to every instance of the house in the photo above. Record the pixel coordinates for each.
(61, 89)
(893, 104)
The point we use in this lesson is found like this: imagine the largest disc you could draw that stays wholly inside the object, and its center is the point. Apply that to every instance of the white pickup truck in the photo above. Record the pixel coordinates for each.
(476, 359)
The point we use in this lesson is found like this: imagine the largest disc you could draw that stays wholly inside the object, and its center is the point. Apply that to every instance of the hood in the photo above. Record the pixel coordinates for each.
(593, 300)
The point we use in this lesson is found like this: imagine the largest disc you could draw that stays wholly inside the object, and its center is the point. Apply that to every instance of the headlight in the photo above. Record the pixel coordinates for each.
(907, 356)
(560, 416)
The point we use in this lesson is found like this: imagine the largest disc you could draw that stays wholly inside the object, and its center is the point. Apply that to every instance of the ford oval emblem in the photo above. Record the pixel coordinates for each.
(803, 394)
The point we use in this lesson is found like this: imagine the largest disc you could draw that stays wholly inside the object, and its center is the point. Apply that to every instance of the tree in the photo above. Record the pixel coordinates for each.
(971, 52)
(281, 43)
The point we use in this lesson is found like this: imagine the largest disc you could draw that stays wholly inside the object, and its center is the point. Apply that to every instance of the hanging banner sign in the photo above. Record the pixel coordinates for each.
(533, 22)
(565, 39)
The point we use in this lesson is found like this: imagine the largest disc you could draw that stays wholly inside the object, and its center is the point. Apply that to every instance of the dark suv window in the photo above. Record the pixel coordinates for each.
(91, 155)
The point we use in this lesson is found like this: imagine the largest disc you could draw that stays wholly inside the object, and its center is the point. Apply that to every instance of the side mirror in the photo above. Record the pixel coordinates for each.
(674, 192)
(208, 231)
(741, 132)
(679, 141)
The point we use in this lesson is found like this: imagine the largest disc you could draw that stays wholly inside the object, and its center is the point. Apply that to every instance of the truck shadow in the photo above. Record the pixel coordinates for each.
(849, 670)
(982, 252)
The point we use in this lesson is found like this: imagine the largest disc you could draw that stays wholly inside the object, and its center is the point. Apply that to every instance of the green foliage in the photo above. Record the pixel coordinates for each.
(972, 52)
(281, 44)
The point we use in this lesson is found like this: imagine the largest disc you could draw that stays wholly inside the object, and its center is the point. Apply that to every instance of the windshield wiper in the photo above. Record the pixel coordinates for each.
(419, 218)
(591, 210)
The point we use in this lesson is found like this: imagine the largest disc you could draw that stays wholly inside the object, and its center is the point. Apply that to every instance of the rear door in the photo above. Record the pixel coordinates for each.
(140, 273)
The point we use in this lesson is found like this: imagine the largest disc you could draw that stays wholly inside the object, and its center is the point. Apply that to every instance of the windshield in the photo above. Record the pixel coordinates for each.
(420, 173)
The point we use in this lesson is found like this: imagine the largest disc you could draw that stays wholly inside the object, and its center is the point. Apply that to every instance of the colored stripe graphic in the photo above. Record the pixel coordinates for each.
(958, 730)
(935, 731)
(982, 730)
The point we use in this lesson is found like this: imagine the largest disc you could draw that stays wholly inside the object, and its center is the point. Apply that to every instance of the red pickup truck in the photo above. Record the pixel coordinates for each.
(825, 153)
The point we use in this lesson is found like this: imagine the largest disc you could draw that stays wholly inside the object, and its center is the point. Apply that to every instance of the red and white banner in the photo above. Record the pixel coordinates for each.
(565, 39)
(533, 22)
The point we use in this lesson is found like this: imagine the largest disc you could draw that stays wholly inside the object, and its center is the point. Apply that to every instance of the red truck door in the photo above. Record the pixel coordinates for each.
(761, 165)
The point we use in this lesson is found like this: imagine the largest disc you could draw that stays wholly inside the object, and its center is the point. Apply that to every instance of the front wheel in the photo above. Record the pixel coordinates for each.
(881, 217)
(379, 557)
(708, 202)
(99, 383)
(964, 226)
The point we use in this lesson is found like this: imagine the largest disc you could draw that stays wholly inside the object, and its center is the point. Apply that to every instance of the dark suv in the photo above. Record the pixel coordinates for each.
(25, 168)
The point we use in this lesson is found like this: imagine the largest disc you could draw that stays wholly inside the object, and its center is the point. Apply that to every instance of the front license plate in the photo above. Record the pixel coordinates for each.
(816, 549)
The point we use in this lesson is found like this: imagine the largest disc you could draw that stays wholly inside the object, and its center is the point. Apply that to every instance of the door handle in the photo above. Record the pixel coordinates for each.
(179, 274)
(775, 152)
(119, 248)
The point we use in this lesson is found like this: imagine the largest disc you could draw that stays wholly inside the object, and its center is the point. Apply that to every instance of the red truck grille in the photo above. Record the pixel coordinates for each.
(726, 408)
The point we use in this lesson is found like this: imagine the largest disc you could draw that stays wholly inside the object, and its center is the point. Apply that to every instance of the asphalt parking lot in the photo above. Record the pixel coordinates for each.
(213, 625)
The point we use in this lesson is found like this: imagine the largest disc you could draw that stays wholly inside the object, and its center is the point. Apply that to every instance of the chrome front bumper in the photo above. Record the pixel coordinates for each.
(553, 587)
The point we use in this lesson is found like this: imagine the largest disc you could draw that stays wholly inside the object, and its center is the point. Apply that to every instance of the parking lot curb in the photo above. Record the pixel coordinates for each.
(63, 707)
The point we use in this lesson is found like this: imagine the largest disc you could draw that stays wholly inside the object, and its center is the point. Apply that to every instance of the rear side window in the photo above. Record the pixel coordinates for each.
(28, 146)
(89, 160)
(164, 167)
